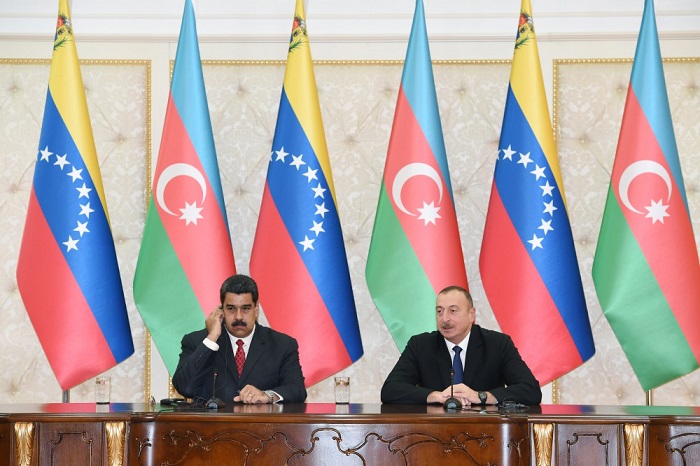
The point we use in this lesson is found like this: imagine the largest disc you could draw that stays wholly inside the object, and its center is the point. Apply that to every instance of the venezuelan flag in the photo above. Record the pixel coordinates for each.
(67, 271)
(528, 262)
(646, 270)
(298, 257)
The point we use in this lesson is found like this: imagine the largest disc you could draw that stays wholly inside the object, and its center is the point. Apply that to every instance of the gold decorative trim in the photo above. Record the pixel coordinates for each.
(116, 439)
(343, 62)
(24, 442)
(559, 62)
(149, 161)
(634, 444)
(543, 439)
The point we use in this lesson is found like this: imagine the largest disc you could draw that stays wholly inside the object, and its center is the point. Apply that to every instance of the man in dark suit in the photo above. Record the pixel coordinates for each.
(268, 360)
(487, 370)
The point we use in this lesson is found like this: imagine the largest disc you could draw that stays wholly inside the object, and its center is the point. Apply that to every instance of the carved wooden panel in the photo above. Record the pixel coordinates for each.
(587, 445)
(250, 444)
(674, 444)
(5, 445)
(70, 443)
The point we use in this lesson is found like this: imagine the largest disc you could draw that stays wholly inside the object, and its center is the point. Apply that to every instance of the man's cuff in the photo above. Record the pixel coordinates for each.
(279, 397)
(212, 345)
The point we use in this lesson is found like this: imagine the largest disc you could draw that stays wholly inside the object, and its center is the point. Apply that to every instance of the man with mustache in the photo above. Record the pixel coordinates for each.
(268, 360)
(487, 368)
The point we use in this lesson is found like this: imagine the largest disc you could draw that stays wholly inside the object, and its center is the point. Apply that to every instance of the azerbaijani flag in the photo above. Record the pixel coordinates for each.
(415, 250)
(67, 270)
(646, 269)
(528, 262)
(298, 257)
(186, 251)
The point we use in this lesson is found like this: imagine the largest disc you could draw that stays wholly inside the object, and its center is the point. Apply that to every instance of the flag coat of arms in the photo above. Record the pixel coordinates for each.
(528, 262)
(298, 257)
(67, 271)
(415, 249)
(186, 251)
(646, 270)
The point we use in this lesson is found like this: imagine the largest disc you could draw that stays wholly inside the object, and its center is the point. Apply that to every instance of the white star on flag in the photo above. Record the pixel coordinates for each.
(657, 211)
(281, 154)
(310, 174)
(536, 242)
(76, 174)
(307, 243)
(83, 191)
(547, 189)
(81, 228)
(538, 172)
(546, 226)
(297, 162)
(318, 191)
(61, 161)
(525, 159)
(191, 213)
(45, 154)
(549, 208)
(321, 209)
(429, 213)
(317, 228)
(71, 244)
(86, 210)
(508, 153)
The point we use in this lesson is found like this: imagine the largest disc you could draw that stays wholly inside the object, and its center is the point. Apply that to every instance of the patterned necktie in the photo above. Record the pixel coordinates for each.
(240, 357)
(456, 366)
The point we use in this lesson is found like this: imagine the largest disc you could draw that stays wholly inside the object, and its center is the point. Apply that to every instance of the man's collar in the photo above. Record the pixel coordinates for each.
(246, 340)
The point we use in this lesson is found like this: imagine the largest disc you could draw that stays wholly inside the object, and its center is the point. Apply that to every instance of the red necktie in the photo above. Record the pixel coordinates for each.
(240, 357)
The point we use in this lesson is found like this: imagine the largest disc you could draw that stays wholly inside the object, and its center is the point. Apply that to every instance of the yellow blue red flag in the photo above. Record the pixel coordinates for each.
(67, 270)
(298, 257)
(528, 262)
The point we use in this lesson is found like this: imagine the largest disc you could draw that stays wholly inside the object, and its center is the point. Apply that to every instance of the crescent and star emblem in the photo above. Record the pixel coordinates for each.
(429, 212)
(190, 213)
(657, 210)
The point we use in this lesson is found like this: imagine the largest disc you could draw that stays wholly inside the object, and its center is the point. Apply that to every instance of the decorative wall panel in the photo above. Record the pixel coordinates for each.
(118, 95)
(589, 102)
(358, 99)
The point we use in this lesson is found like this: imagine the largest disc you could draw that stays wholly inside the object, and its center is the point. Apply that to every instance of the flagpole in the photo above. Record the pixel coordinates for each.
(650, 397)
(66, 396)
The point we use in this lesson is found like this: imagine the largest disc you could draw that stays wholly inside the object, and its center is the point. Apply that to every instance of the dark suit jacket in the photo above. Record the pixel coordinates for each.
(272, 363)
(492, 364)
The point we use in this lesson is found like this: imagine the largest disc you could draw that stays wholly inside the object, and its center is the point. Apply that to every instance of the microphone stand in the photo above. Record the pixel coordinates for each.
(214, 402)
(452, 403)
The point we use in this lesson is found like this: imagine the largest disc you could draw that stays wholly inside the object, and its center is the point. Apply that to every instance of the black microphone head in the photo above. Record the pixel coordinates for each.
(452, 404)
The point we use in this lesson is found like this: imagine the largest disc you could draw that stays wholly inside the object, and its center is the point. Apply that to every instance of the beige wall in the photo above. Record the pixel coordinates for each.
(358, 77)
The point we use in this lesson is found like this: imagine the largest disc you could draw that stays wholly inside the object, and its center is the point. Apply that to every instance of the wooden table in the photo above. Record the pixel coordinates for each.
(354, 434)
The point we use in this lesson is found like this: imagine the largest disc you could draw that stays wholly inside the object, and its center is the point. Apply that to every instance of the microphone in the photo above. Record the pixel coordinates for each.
(452, 403)
(214, 402)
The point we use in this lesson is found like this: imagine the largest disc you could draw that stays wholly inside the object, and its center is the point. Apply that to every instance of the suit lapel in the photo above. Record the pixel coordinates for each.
(444, 362)
(475, 353)
(228, 360)
(257, 346)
